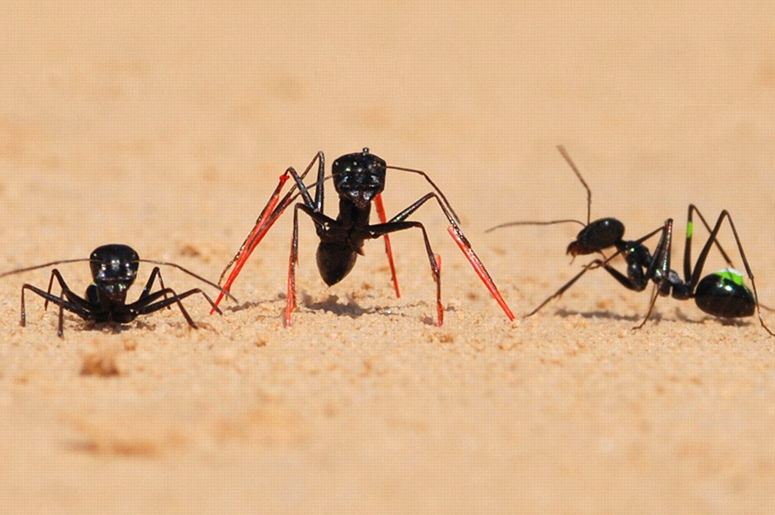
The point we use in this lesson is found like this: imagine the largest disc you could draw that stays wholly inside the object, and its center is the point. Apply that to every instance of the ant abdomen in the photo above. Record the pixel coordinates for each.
(723, 294)
(335, 261)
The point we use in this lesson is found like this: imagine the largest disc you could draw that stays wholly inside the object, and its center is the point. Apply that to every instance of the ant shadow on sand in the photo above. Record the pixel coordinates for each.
(608, 315)
(350, 308)
(655, 317)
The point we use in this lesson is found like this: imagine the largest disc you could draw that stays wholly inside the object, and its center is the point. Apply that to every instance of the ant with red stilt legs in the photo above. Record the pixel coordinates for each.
(359, 180)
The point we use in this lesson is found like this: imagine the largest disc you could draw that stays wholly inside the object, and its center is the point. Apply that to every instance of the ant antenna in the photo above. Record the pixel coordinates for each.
(433, 184)
(151, 261)
(44, 265)
(189, 272)
(566, 220)
(578, 174)
(551, 222)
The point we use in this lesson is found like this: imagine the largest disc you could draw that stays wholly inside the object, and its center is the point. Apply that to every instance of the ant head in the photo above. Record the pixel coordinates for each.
(359, 177)
(596, 236)
(114, 268)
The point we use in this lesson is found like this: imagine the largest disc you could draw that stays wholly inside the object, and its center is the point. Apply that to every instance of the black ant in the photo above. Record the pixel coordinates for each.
(359, 179)
(114, 270)
(722, 294)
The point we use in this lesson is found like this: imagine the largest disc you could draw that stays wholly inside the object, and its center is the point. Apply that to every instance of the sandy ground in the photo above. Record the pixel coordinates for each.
(166, 127)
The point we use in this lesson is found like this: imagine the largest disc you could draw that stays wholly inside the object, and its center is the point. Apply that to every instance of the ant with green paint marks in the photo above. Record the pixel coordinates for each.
(722, 294)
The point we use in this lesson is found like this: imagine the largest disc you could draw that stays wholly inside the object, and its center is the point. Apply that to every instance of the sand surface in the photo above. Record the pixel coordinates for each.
(165, 127)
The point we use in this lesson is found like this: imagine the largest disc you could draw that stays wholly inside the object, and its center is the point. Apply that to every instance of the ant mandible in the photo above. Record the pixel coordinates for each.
(359, 180)
(722, 294)
(114, 270)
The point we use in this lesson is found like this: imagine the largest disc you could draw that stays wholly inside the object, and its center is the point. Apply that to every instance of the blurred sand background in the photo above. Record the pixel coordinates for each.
(165, 125)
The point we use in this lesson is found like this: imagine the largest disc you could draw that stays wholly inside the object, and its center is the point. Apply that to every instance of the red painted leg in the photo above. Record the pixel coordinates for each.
(439, 307)
(476, 263)
(255, 236)
(290, 303)
(388, 248)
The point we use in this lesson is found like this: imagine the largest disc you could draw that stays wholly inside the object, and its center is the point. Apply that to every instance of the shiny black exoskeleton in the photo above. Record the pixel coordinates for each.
(597, 236)
(359, 179)
(722, 294)
(114, 270)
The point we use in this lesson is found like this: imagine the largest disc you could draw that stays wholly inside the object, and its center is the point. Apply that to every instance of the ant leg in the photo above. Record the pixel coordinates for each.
(661, 262)
(591, 266)
(260, 228)
(597, 263)
(652, 303)
(269, 215)
(628, 281)
(156, 272)
(605, 264)
(150, 308)
(695, 276)
(67, 300)
(48, 290)
(462, 242)
(478, 266)
(320, 220)
(146, 305)
(434, 259)
(658, 263)
(689, 234)
(61, 315)
(315, 211)
(69, 293)
(388, 248)
(290, 297)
